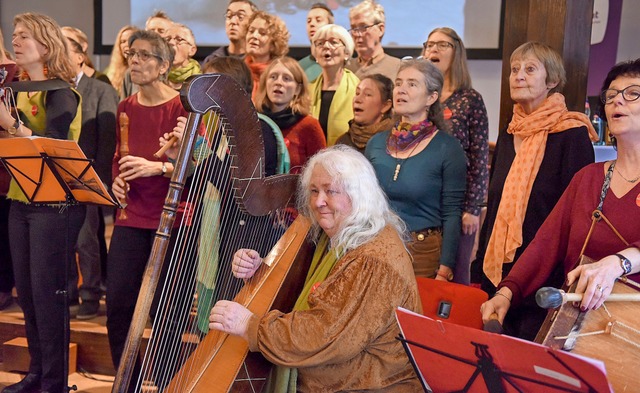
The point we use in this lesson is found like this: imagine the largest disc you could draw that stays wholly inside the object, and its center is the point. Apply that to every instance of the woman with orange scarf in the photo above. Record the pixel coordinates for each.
(267, 38)
(533, 163)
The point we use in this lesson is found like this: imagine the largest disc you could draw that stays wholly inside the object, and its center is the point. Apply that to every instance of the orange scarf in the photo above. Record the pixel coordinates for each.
(256, 71)
(551, 117)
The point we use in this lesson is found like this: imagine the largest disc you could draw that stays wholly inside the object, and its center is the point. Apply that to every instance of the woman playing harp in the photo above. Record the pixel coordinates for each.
(343, 322)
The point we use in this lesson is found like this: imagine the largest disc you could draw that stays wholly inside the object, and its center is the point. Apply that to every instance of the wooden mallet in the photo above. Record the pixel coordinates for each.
(549, 297)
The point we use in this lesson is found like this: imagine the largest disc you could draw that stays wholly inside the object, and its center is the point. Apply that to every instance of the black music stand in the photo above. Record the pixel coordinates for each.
(454, 358)
(55, 172)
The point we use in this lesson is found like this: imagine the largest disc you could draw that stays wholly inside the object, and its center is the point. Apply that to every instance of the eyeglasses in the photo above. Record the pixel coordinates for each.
(143, 55)
(240, 14)
(361, 30)
(442, 45)
(629, 93)
(333, 43)
(178, 40)
(407, 58)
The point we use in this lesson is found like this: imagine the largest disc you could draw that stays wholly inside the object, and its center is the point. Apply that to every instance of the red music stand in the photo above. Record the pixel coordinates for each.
(453, 358)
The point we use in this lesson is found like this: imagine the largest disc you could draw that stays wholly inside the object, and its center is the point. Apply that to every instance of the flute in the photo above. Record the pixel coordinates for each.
(124, 151)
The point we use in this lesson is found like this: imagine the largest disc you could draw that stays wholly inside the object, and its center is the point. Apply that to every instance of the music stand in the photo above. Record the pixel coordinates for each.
(454, 358)
(55, 172)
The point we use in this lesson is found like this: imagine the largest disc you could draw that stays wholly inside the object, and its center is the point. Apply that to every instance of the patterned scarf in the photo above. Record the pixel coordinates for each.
(551, 117)
(405, 136)
(179, 75)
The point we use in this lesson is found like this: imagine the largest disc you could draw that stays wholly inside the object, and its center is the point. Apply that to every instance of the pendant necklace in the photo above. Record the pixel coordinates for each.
(399, 161)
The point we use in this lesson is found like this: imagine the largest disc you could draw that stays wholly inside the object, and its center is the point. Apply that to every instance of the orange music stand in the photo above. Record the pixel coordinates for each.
(454, 358)
(53, 171)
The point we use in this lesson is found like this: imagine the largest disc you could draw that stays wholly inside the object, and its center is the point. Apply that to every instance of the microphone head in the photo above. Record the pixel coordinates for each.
(549, 297)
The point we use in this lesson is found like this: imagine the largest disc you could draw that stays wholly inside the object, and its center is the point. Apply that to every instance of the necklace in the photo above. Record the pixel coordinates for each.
(399, 161)
(635, 179)
(403, 135)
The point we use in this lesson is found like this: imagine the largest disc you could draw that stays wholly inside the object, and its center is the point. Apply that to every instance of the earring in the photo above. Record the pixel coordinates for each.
(45, 71)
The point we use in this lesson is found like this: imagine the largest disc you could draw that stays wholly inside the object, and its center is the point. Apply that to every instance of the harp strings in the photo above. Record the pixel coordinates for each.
(199, 268)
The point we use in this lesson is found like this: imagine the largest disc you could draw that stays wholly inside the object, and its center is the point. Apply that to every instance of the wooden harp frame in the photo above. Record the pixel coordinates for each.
(254, 194)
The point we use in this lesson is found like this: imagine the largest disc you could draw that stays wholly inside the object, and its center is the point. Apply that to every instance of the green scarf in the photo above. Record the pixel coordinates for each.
(284, 379)
(179, 75)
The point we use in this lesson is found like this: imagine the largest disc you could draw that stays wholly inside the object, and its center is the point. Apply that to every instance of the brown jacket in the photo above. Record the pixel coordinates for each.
(347, 339)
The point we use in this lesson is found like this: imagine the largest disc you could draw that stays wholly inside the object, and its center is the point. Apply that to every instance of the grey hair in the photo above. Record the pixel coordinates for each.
(159, 47)
(434, 80)
(339, 31)
(355, 176)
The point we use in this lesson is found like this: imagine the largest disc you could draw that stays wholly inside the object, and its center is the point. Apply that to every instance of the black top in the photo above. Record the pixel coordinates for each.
(325, 105)
(565, 154)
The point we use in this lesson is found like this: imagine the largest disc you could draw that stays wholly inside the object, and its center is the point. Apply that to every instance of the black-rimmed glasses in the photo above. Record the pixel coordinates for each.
(143, 55)
(360, 30)
(441, 45)
(629, 93)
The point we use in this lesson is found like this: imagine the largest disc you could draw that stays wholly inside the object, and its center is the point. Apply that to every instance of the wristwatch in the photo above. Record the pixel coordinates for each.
(14, 128)
(164, 168)
(448, 277)
(625, 263)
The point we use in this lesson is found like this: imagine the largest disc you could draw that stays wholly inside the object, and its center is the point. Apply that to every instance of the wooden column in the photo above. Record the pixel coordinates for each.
(565, 25)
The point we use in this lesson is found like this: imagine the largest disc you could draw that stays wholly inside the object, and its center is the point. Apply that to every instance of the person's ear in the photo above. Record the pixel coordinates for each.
(387, 106)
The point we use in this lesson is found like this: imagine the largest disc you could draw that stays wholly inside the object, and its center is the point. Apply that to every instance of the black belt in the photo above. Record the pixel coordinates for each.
(426, 232)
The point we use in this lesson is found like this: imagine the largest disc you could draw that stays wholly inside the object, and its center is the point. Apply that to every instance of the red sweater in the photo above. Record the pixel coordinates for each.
(560, 238)
(303, 139)
(146, 124)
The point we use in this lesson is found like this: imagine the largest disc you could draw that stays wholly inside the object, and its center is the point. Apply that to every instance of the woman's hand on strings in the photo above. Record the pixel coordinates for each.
(595, 281)
(245, 263)
(230, 317)
(132, 167)
(176, 134)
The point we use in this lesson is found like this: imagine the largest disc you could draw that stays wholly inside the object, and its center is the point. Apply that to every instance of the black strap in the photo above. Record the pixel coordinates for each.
(47, 85)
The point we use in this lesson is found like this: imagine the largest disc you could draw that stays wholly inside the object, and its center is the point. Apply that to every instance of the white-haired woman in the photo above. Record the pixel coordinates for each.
(360, 273)
(333, 91)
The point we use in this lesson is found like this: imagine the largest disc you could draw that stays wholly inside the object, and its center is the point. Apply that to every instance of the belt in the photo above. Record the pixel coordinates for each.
(426, 232)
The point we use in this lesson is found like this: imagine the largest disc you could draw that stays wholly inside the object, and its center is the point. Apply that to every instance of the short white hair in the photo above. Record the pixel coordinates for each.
(331, 30)
(355, 176)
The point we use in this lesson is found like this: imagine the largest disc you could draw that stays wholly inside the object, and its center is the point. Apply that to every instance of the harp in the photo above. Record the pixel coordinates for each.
(231, 205)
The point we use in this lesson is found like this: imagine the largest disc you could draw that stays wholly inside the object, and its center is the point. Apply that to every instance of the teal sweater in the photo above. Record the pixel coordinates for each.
(430, 187)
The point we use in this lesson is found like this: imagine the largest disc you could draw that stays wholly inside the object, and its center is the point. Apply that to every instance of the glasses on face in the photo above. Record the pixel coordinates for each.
(361, 30)
(629, 93)
(332, 43)
(441, 45)
(143, 55)
(178, 40)
(240, 15)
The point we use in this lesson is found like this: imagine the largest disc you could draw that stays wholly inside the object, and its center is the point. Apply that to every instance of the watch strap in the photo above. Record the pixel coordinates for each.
(625, 263)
